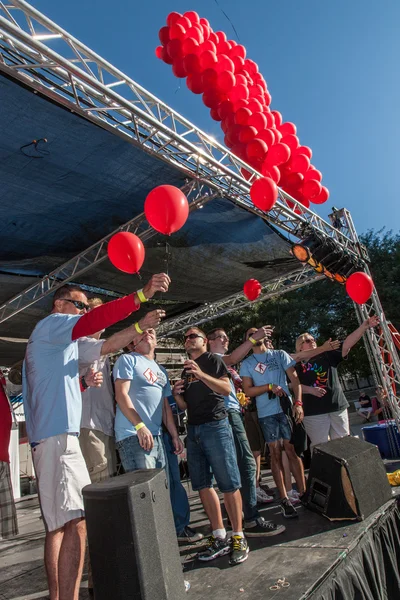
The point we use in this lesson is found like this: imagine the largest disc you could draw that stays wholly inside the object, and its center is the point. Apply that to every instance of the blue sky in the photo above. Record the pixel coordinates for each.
(331, 67)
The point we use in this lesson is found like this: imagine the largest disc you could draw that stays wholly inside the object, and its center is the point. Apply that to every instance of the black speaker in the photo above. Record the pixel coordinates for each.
(347, 480)
(132, 541)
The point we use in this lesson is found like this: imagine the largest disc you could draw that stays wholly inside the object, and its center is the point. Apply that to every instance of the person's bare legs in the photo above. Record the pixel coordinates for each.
(233, 505)
(257, 458)
(277, 468)
(211, 504)
(52, 546)
(287, 472)
(296, 466)
(70, 562)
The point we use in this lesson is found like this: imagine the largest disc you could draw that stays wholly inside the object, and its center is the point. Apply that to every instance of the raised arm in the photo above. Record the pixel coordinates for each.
(354, 337)
(129, 334)
(307, 354)
(219, 385)
(110, 313)
(241, 351)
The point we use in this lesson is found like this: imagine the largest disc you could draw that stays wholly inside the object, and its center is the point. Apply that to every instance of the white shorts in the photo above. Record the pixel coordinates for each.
(61, 474)
(322, 428)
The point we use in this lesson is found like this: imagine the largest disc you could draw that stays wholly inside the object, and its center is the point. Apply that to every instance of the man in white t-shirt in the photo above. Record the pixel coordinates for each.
(53, 408)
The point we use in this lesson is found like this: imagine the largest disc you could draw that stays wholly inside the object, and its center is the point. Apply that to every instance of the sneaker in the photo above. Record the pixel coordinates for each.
(288, 510)
(189, 535)
(261, 528)
(294, 497)
(262, 497)
(239, 550)
(215, 547)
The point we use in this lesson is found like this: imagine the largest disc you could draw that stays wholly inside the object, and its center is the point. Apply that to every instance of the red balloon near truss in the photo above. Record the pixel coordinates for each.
(166, 209)
(252, 289)
(126, 252)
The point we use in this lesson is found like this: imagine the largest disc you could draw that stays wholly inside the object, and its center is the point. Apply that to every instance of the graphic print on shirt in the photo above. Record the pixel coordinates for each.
(321, 376)
(153, 378)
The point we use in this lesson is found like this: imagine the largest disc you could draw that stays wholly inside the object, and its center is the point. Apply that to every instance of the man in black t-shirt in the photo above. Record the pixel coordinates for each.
(365, 409)
(324, 403)
(210, 445)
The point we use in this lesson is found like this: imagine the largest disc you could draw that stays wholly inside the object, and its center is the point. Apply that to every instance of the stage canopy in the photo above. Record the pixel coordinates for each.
(86, 183)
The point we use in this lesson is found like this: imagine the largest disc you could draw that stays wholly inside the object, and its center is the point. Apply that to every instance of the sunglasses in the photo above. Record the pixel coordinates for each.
(193, 336)
(223, 338)
(77, 303)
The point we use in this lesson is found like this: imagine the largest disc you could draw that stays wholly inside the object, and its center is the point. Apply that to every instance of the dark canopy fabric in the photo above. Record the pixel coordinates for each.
(87, 183)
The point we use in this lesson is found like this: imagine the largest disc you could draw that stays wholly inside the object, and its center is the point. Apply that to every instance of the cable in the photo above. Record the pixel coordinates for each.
(35, 143)
(232, 25)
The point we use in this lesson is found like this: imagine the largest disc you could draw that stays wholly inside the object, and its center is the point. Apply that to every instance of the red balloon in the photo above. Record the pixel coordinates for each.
(255, 106)
(272, 172)
(213, 98)
(239, 51)
(223, 48)
(191, 63)
(299, 163)
(194, 83)
(269, 117)
(247, 134)
(208, 60)
(359, 287)
(166, 57)
(174, 48)
(172, 18)
(239, 92)
(264, 193)
(178, 68)
(291, 140)
(239, 150)
(226, 81)
(192, 16)
(225, 63)
(293, 181)
(225, 109)
(228, 122)
(267, 98)
(166, 209)
(322, 197)
(311, 189)
(278, 154)
(233, 134)
(209, 45)
(214, 114)
(258, 120)
(163, 35)
(126, 252)
(221, 36)
(238, 62)
(252, 289)
(277, 116)
(190, 46)
(209, 78)
(267, 136)
(242, 116)
(256, 149)
(184, 22)
(313, 173)
(177, 32)
(287, 129)
(195, 33)
(160, 52)
(305, 150)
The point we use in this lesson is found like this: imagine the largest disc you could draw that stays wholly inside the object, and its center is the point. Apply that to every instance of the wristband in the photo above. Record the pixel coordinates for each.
(141, 296)
(139, 426)
(252, 340)
(298, 403)
(270, 387)
(137, 327)
(83, 383)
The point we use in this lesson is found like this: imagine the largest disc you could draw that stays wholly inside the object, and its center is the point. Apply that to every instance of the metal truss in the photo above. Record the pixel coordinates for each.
(85, 83)
(276, 287)
(197, 195)
(379, 344)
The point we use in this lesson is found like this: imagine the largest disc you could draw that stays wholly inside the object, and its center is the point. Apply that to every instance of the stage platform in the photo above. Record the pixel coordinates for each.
(317, 558)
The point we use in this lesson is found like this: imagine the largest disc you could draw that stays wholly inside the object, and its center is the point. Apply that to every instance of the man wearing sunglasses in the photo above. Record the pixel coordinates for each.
(210, 445)
(255, 524)
(53, 408)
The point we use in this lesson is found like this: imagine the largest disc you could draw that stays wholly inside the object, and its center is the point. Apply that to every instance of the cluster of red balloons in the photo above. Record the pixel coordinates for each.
(167, 209)
(359, 287)
(252, 289)
(237, 95)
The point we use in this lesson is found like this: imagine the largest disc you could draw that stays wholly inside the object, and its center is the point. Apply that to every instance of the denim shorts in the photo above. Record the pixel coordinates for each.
(275, 427)
(133, 456)
(211, 451)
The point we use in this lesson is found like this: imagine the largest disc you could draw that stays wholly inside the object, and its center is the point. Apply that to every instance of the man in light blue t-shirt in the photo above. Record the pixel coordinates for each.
(264, 375)
(141, 391)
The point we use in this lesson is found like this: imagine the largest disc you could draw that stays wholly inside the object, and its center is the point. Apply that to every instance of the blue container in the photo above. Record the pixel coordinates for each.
(386, 436)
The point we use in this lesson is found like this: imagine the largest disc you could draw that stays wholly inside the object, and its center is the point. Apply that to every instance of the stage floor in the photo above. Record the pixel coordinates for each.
(310, 548)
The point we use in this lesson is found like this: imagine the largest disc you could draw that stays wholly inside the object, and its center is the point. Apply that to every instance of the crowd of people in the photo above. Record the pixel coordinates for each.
(79, 411)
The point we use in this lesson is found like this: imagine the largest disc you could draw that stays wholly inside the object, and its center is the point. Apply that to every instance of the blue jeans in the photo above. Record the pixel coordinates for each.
(247, 466)
(211, 450)
(133, 456)
(275, 427)
(179, 499)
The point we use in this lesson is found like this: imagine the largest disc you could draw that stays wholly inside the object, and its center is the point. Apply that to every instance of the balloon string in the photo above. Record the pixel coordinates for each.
(167, 256)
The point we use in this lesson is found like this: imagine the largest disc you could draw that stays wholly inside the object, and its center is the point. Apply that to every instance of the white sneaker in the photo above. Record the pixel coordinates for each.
(294, 496)
(262, 497)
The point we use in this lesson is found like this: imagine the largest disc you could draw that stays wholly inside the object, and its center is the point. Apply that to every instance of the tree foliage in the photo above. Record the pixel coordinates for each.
(323, 308)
